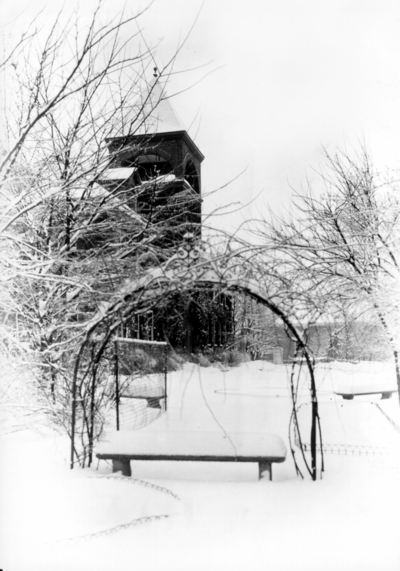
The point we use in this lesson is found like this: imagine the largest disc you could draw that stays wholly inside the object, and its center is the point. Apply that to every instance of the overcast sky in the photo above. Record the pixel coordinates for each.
(289, 77)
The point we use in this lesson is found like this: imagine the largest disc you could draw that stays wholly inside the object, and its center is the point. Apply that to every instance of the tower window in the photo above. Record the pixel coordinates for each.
(148, 166)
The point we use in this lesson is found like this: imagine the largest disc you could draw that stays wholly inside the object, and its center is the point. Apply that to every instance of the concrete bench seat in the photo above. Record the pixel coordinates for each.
(350, 394)
(158, 442)
(366, 387)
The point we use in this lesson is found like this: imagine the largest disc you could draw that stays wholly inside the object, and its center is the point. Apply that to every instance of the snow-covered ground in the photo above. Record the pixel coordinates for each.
(198, 516)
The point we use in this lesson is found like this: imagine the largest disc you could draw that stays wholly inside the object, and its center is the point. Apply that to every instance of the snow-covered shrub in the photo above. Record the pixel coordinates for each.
(204, 361)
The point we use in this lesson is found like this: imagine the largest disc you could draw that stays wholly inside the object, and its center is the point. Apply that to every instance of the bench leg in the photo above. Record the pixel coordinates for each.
(348, 397)
(123, 466)
(264, 468)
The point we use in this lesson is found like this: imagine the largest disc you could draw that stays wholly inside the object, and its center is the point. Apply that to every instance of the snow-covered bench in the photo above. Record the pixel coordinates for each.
(158, 442)
(352, 394)
(348, 392)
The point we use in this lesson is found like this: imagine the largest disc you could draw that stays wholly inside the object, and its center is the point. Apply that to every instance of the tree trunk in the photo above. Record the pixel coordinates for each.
(394, 350)
(396, 364)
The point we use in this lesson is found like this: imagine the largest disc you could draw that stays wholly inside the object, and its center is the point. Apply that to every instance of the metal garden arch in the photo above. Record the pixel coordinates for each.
(189, 269)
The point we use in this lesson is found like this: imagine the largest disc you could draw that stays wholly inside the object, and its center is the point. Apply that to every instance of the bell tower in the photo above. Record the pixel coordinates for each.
(156, 168)
(159, 150)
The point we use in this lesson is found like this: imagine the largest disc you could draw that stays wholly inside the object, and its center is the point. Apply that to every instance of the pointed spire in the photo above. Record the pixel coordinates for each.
(158, 112)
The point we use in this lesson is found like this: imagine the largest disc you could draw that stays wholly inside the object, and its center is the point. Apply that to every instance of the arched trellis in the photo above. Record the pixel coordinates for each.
(189, 269)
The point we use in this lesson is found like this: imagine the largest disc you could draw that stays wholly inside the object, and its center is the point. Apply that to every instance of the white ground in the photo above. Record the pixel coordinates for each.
(223, 518)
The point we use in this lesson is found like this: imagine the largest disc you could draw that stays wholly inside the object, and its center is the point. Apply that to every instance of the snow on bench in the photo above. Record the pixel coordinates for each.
(351, 390)
(155, 443)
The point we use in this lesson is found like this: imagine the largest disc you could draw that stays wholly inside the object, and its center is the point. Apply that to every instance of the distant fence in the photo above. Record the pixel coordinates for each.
(347, 449)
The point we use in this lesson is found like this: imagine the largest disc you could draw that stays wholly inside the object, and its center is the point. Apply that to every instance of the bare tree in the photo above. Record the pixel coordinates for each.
(68, 239)
(341, 250)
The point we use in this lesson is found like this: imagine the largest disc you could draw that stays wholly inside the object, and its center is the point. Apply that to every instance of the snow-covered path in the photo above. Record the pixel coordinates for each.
(213, 516)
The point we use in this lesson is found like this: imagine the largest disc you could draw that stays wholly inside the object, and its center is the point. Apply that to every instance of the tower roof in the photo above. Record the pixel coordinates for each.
(157, 111)
(152, 115)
